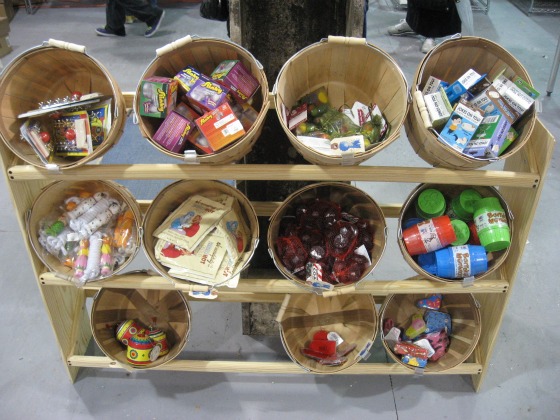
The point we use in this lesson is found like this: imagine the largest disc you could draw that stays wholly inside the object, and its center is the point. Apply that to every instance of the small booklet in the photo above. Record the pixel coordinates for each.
(188, 225)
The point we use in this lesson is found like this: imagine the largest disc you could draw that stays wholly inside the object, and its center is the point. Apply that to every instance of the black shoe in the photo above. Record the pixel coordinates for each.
(154, 28)
(106, 32)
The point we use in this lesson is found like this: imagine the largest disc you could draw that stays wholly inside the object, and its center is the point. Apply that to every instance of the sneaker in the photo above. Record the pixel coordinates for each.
(106, 32)
(129, 19)
(428, 45)
(401, 28)
(154, 28)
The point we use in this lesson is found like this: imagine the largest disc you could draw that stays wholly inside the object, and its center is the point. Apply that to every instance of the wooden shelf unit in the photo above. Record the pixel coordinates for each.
(520, 182)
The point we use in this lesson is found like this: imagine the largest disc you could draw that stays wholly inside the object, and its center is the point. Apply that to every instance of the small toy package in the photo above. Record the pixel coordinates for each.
(462, 85)
(158, 96)
(201, 92)
(30, 131)
(220, 127)
(361, 114)
(72, 134)
(235, 76)
(512, 134)
(461, 126)
(99, 122)
(172, 134)
(439, 108)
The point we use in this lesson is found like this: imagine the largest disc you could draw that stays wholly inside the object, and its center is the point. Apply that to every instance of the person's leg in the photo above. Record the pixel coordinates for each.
(115, 15)
(142, 10)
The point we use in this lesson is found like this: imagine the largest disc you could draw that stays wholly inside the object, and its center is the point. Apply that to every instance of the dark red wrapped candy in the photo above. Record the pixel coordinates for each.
(343, 242)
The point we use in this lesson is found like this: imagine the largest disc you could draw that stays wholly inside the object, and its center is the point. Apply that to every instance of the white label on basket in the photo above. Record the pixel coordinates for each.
(364, 353)
(418, 371)
(430, 238)
(491, 219)
(209, 294)
(316, 284)
(461, 261)
(468, 281)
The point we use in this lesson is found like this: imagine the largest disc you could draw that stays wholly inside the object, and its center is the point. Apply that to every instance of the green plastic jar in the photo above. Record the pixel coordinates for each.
(491, 224)
(462, 205)
(430, 203)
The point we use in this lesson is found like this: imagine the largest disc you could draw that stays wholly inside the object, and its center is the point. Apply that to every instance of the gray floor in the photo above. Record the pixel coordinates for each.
(523, 377)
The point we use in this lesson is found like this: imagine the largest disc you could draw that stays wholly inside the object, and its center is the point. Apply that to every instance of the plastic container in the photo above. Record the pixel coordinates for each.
(428, 236)
(462, 206)
(430, 204)
(455, 262)
(462, 232)
(412, 221)
(492, 224)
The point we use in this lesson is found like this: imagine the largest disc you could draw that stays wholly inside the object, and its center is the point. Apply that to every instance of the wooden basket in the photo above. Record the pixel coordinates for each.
(53, 195)
(351, 200)
(495, 259)
(465, 319)
(448, 61)
(167, 310)
(173, 196)
(353, 317)
(54, 70)
(351, 70)
(205, 54)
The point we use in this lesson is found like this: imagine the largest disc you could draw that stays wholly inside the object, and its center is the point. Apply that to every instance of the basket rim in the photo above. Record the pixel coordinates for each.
(474, 305)
(240, 147)
(253, 239)
(311, 154)
(296, 194)
(118, 111)
(169, 356)
(123, 193)
(416, 267)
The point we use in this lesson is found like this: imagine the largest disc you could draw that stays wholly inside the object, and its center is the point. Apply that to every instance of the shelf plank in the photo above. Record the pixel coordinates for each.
(227, 366)
(280, 173)
(260, 288)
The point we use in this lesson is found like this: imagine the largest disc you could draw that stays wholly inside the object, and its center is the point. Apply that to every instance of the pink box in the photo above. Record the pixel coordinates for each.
(173, 132)
(235, 76)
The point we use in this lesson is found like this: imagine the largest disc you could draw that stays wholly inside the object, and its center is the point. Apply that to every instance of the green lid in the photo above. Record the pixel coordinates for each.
(430, 203)
(488, 204)
(468, 198)
(462, 206)
(462, 232)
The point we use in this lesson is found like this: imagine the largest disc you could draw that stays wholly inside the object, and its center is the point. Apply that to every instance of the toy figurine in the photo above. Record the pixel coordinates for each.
(80, 262)
(94, 257)
(106, 258)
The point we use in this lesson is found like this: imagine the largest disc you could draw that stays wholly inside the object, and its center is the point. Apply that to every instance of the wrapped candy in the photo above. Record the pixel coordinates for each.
(431, 302)
(417, 326)
(410, 349)
(414, 361)
(437, 321)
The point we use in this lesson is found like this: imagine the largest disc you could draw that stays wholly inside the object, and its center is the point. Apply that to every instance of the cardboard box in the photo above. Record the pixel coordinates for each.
(158, 96)
(461, 126)
(432, 85)
(234, 75)
(489, 137)
(173, 132)
(188, 78)
(439, 108)
(220, 127)
(201, 92)
(515, 97)
(461, 85)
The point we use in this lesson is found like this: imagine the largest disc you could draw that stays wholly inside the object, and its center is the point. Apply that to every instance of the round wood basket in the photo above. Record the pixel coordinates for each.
(351, 200)
(205, 54)
(351, 70)
(54, 195)
(173, 196)
(465, 322)
(495, 259)
(352, 317)
(167, 310)
(448, 61)
(54, 70)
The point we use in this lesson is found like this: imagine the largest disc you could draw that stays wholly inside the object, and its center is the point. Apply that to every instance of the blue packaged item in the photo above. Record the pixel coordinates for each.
(455, 262)
(437, 321)
(414, 361)
(456, 89)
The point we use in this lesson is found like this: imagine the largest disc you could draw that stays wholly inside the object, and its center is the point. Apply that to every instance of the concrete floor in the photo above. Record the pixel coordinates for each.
(522, 382)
